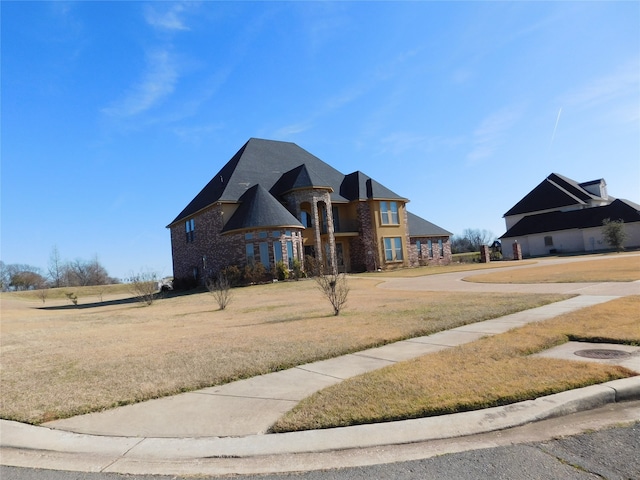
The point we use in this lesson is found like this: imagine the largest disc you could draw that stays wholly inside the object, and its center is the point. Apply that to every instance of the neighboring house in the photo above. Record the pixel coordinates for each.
(274, 201)
(563, 216)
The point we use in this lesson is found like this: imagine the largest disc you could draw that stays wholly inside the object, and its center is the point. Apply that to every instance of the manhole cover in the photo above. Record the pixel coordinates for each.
(602, 353)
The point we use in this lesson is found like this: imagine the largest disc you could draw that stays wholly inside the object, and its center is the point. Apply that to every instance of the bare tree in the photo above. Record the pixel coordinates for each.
(144, 286)
(476, 238)
(5, 279)
(56, 268)
(335, 288)
(220, 288)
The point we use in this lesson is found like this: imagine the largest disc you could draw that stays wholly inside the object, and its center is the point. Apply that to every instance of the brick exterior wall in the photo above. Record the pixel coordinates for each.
(363, 249)
(415, 259)
(210, 251)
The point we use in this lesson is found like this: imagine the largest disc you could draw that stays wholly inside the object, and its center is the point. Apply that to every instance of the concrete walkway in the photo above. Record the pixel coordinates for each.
(231, 420)
(250, 407)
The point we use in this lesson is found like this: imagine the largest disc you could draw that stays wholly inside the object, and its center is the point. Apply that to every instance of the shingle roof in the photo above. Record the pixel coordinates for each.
(555, 191)
(419, 227)
(259, 209)
(270, 163)
(585, 218)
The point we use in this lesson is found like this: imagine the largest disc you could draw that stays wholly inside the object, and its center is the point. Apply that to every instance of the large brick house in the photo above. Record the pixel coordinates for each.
(274, 201)
(561, 215)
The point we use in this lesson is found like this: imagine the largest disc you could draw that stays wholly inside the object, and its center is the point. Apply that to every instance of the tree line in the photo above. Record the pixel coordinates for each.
(471, 240)
(59, 273)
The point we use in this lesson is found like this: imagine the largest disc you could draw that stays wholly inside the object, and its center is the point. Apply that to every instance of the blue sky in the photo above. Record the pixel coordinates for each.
(116, 114)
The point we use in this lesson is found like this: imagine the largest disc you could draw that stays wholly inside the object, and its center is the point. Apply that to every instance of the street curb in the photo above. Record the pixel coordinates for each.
(24, 445)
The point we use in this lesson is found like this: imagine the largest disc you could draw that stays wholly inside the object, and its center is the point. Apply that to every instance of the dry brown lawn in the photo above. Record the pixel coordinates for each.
(489, 372)
(58, 361)
(609, 268)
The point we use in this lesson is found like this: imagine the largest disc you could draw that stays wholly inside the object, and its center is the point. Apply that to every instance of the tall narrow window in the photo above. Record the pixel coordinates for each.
(251, 259)
(419, 248)
(190, 228)
(394, 212)
(264, 254)
(430, 248)
(290, 253)
(277, 251)
(384, 210)
(336, 219)
(440, 247)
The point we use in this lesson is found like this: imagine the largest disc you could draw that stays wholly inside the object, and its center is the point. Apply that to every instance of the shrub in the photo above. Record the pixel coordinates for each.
(73, 298)
(335, 288)
(144, 286)
(220, 288)
(233, 275)
(255, 273)
(281, 271)
(185, 283)
(298, 273)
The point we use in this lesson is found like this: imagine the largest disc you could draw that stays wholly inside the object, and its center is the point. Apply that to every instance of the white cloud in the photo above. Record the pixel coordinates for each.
(491, 132)
(621, 85)
(158, 82)
(167, 19)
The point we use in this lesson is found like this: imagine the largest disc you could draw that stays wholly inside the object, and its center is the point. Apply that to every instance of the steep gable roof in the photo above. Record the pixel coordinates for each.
(555, 191)
(358, 186)
(272, 163)
(419, 227)
(298, 178)
(625, 210)
(259, 209)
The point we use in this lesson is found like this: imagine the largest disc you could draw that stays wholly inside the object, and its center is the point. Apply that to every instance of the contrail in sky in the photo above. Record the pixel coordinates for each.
(553, 135)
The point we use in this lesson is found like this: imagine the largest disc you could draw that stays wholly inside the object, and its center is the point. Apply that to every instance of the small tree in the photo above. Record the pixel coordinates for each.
(220, 288)
(335, 288)
(614, 233)
(144, 286)
(73, 298)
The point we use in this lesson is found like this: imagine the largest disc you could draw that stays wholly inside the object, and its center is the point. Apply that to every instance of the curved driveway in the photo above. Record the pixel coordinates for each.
(455, 282)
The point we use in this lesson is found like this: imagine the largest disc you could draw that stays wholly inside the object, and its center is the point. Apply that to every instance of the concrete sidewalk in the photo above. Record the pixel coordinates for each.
(180, 434)
(250, 407)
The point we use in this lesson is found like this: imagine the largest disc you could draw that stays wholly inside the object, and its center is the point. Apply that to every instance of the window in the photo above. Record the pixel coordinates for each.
(290, 253)
(248, 236)
(548, 241)
(419, 248)
(264, 254)
(277, 251)
(190, 230)
(251, 259)
(440, 248)
(336, 219)
(389, 213)
(393, 249)
(275, 234)
(305, 219)
(430, 248)
(263, 234)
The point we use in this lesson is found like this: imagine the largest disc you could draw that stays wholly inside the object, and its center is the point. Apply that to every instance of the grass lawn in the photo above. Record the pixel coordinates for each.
(608, 268)
(59, 361)
(489, 372)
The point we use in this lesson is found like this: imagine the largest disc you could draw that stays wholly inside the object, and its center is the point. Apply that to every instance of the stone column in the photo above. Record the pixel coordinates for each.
(485, 256)
(517, 251)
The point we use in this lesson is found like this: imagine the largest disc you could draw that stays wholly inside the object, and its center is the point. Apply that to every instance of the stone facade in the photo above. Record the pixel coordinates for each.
(426, 251)
(209, 251)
